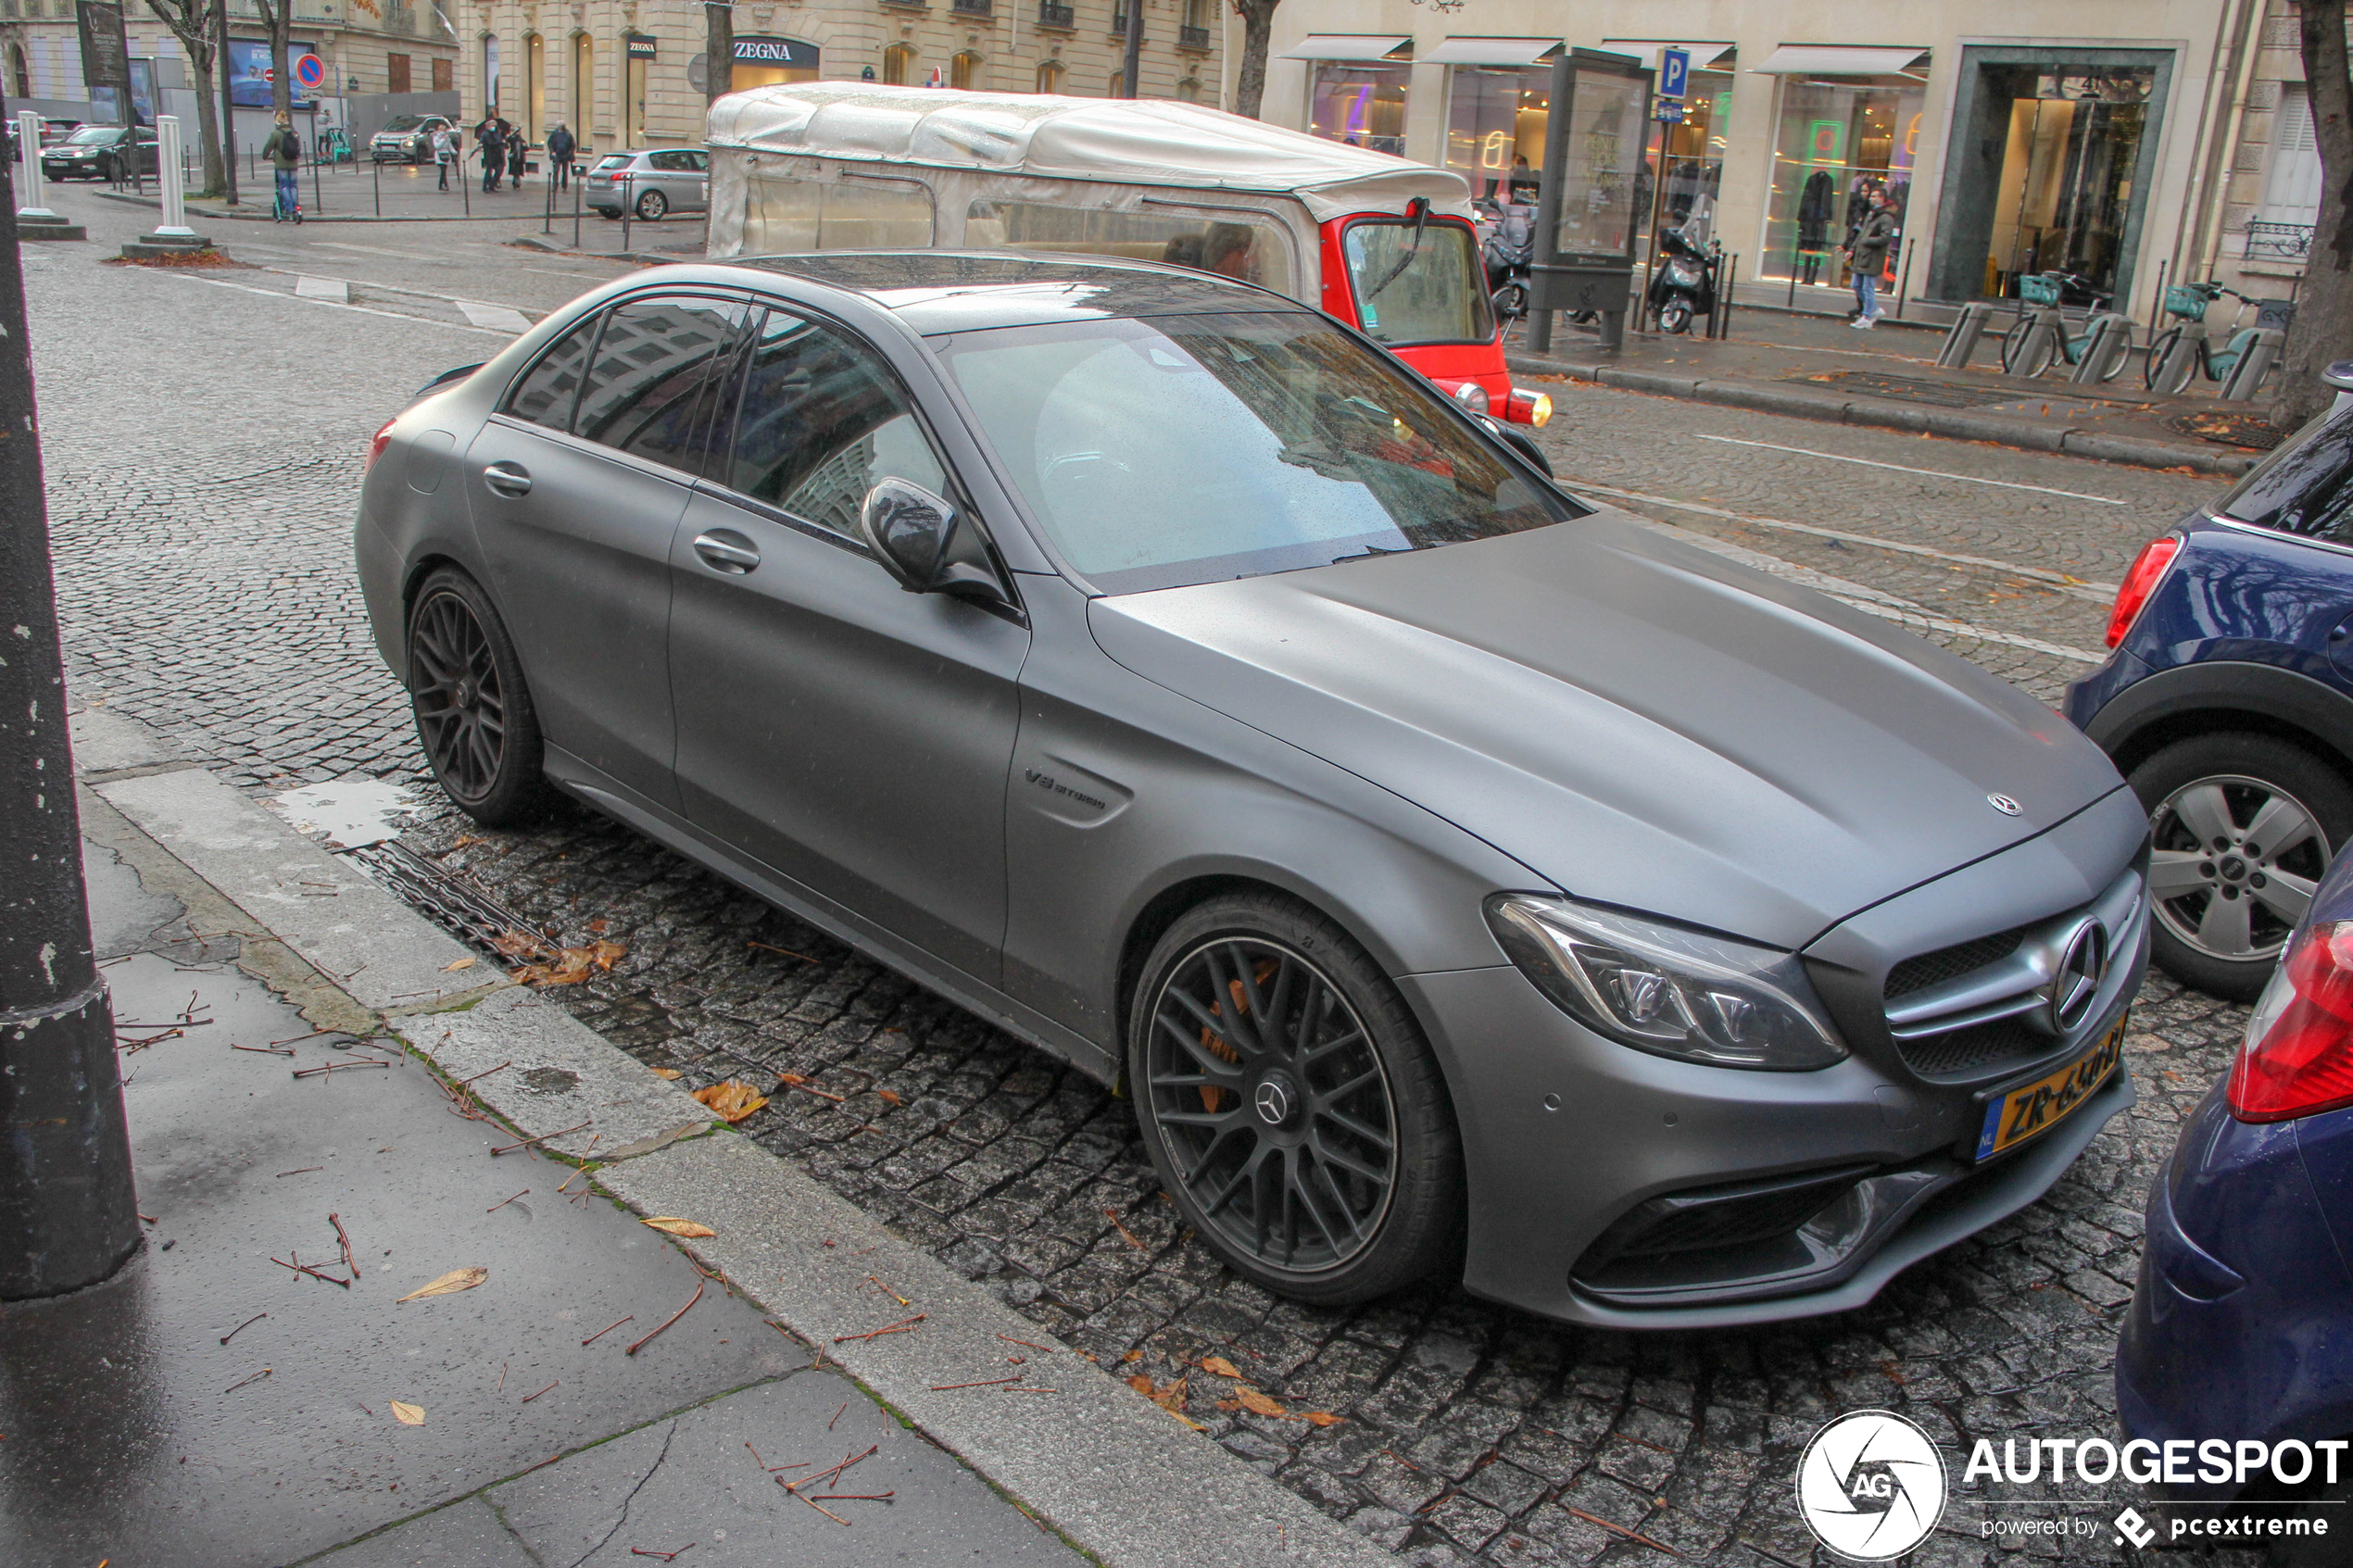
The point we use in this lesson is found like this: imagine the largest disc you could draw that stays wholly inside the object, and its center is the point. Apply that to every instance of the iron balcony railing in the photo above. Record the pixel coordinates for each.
(1052, 15)
(1189, 37)
(2279, 242)
(972, 8)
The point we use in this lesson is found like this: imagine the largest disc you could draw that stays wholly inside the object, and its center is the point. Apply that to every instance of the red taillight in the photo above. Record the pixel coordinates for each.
(2139, 583)
(382, 440)
(2297, 1059)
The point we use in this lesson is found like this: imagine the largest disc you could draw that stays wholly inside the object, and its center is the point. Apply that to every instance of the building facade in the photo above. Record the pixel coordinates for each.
(629, 73)
(2129, 141)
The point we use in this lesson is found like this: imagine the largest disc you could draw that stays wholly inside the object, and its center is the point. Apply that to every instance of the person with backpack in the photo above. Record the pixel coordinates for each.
(560, 150)
(492, 152)
(283, 150)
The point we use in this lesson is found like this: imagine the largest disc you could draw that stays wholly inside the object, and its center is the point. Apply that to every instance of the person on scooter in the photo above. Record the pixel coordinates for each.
(1867, 253)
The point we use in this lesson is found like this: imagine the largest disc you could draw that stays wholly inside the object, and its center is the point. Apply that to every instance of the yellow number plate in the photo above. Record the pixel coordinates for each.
(2035, 1108)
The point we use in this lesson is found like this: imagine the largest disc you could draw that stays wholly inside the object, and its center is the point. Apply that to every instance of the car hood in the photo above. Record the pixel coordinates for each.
(1638, 721)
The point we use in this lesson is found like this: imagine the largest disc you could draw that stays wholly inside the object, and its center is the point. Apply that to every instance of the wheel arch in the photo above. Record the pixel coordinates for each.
(2208, 698)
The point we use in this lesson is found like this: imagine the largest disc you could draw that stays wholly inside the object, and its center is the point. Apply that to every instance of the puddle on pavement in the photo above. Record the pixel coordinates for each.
(346, 812)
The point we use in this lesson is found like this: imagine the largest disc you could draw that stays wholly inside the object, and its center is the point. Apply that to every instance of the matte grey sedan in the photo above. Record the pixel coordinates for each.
(1457, 874)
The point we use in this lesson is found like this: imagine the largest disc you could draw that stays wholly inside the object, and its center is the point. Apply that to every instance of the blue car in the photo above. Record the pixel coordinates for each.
(2228, 704)
(2242, 1326)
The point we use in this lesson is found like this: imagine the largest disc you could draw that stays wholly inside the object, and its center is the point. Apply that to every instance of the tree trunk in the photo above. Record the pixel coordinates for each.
(719, 51)
(2323, 329)
(1258, 29)
(191, 21)
(279, 19)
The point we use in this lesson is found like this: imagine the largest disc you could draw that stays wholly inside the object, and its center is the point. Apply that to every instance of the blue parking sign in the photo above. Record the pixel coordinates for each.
(1674, 72)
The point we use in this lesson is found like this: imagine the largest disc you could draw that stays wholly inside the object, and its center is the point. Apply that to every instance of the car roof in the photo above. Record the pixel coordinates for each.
(942, 291)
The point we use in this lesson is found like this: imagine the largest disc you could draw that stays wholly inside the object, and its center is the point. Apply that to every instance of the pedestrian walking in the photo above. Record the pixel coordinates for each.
(516, 147)
(284, 149)
(560, 150)
(1868, 254)
(492, 152)
(444, 152)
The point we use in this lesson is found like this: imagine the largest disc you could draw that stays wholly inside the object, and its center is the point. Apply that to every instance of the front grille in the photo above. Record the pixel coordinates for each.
(1978, 1046)
(1950, 963)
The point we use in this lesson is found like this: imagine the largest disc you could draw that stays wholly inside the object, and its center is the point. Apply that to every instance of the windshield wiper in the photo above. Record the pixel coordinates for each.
(1421, 218)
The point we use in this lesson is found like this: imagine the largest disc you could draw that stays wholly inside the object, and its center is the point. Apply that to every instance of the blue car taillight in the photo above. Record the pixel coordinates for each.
(2140, 581)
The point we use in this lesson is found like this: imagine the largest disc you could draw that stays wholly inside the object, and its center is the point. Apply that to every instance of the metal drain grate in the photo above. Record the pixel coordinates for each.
(1909, 389)
(2250, 431)
(460, 907)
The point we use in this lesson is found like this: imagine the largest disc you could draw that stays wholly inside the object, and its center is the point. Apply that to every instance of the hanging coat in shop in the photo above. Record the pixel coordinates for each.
(1814, 211)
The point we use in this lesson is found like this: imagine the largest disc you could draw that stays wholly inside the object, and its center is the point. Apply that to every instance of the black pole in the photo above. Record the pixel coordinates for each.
(228, 107)
(575, 205)
(376, 175)
(69, 1215)
(1132, 61)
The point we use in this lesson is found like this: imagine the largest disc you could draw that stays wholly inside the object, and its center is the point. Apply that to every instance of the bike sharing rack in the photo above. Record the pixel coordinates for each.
(2108, 340)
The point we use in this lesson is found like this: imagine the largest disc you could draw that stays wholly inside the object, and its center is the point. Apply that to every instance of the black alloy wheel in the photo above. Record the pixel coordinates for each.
(1292, 1109)
(475, 714)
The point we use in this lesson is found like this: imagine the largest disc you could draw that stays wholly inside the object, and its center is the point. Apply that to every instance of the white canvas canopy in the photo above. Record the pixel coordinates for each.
(1146, 142)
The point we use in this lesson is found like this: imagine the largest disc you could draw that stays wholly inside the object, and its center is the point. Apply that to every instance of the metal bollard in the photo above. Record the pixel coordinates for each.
(2109, 340)
(2261, 352)
(1961, 341)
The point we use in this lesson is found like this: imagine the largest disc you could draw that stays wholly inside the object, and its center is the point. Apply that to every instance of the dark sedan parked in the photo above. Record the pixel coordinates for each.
(100, 152)
(1447, 866)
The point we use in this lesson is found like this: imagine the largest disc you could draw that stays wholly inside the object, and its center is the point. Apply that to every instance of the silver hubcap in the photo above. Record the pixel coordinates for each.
(2234, 866)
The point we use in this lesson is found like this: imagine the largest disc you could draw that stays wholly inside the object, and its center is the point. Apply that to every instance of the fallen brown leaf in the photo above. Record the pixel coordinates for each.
(889, 1097)
(466, 840)
(733, 1100)
(675, 1226)
(1323, 1418)
(1220, 1366)
(1258, 1403)
(466, 962)
(1141, 1384)
(448, 1283)
(1131, 1356)
(407, 1415)
(667, 1073)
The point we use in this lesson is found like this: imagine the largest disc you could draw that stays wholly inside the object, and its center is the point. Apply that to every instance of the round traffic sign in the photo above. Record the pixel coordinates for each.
(309, 70)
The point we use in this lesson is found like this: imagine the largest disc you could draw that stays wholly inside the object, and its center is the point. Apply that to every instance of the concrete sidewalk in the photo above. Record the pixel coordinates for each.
(1809, 366)
(296, 1043)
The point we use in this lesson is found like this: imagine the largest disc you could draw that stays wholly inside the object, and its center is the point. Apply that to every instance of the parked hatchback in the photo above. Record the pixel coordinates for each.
(2229, 704)
(650, 184)
(406, 138)
(1455, 872)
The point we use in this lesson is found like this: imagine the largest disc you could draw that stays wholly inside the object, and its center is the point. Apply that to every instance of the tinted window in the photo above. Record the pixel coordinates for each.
(2302, 487)
(819, 421)
(1192, 448)
(657, 368)
(1429, 288)
(677, 161)
(546, 395)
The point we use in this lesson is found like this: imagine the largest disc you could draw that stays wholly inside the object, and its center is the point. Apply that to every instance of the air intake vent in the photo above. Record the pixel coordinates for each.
(1951, 963)
(1965, 1050)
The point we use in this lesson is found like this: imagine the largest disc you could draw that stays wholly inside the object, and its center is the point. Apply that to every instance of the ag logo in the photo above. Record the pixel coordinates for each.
(1871, 1486)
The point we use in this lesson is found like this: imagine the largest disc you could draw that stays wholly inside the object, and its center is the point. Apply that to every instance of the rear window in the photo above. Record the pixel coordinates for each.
(1424, 287)
(613, 160)
(2302, 488)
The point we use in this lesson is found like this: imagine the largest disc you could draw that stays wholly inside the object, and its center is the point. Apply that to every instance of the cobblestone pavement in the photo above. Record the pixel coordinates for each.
(204, 448)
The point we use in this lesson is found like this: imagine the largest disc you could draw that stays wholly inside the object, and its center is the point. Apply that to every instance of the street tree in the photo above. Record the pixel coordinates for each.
(2324, 327)
(192, 22)
(279, 21)
(1258, 31)
(719, 48)
(69, 1216)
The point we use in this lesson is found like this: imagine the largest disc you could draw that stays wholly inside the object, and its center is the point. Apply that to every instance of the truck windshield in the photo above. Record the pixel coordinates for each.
(1196, 449)
(1434, 292)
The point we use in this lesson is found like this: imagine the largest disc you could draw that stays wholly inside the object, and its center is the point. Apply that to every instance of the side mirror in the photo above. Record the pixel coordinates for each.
(922, 541)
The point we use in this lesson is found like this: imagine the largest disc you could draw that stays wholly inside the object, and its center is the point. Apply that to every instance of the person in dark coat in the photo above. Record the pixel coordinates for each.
(492, 152)
(516, 148)
(560, 150)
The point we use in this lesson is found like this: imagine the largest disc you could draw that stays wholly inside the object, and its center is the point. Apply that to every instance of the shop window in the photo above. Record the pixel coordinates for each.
(1361, 104)
(535, 88)
(897, 61)
(1251, 250)
(963, 70)
(783, 214)
(1840, 138)
(583, 86)
(1495, 123)
(1049, 76)
(2074, 138)
(490, 75)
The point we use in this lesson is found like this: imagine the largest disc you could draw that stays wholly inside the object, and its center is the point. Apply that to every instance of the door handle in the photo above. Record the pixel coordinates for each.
(723, 549)
(506, 479)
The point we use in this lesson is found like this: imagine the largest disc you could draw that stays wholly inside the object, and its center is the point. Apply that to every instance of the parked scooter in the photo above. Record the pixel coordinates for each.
(1507, 248)
(1684, 285)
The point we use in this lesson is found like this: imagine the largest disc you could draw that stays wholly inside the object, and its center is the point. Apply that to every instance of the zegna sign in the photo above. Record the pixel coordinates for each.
(776, 52)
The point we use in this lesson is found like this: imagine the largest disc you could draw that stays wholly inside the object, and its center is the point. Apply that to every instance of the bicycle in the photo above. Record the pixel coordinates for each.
(2178, 354)
(2038, 341)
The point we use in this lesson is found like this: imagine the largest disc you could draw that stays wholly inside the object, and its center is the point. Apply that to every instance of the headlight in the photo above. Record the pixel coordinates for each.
(1664, 989)
(1472, 396)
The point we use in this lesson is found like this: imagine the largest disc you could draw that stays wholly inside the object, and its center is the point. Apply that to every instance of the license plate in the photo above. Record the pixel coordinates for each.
(2034, 1108)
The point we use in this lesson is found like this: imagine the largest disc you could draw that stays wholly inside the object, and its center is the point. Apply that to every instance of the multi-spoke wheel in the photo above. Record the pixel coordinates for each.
(2244, 826)
(473, 711)
(1290, 1104)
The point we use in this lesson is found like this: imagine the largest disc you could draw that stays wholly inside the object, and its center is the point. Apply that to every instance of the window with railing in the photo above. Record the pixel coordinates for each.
(1052, 15)
(2279, 242)
(972, 8)
(1191, 37)
(1119, 19)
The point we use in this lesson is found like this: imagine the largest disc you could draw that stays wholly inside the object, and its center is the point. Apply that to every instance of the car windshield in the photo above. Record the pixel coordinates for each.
(1194, 449)
(404, 122)
(95, 135)
(1424, 289)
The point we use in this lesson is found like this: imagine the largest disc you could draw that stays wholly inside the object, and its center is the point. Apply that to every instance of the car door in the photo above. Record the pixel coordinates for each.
(577, 485)
(674, 174)
(849, 735)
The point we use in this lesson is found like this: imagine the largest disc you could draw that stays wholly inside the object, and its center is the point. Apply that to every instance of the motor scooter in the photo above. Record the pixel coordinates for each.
(1507, 245)
(1684, 285)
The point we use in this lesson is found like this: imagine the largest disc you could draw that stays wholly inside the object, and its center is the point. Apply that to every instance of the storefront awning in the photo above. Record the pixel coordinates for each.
(1493, 52)
(1705, 56)
(1841, 59)
(1352, 46)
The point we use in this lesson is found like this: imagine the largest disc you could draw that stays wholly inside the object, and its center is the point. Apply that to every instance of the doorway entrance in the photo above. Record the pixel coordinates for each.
(2051, 167)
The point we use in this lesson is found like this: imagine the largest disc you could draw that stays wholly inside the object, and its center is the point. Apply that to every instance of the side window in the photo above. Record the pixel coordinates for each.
(674, 161)
(546, 395)
(658, 369)
(1247, 249)
(782, 214)
(698, 160)
(819, 421)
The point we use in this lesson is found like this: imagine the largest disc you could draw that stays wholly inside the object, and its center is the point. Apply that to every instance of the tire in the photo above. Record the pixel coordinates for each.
(2014, 350)
(2124, 357)
(473, 711)
(651, 206)
(1510, 302)
(1329, 1172)
(2222, 914)
(1675, 315)
(2160, 348)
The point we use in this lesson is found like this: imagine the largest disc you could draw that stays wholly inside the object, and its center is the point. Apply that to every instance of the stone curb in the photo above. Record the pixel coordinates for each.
(1957, 425)
(260, 214)
(1080, 1457)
